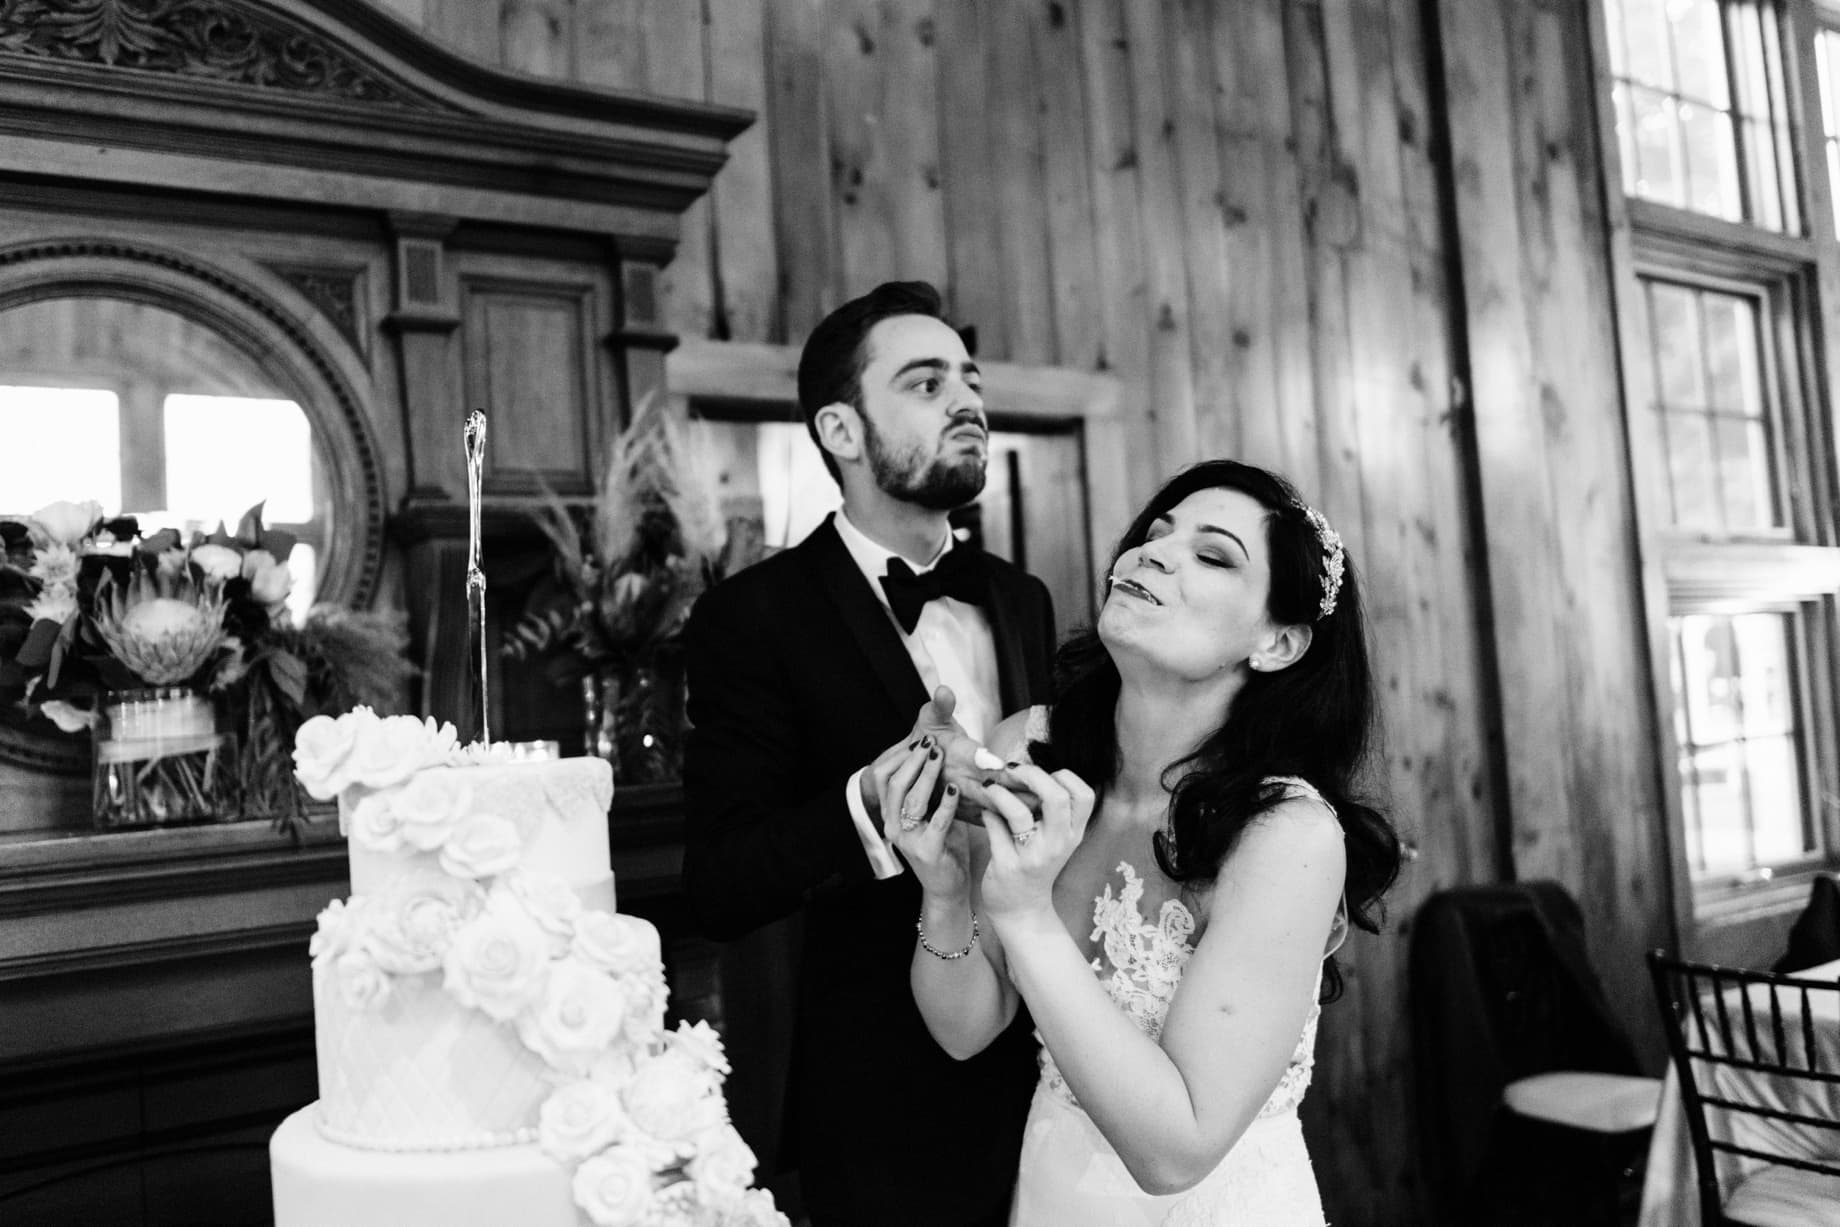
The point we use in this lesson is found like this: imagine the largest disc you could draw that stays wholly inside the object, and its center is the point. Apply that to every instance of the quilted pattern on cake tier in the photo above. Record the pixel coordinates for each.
(422, 1072)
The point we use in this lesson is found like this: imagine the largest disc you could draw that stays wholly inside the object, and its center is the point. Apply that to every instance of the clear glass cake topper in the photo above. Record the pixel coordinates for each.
(475, 575)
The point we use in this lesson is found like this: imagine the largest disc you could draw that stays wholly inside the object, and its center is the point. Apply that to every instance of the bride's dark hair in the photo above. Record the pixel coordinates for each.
(1313, 720)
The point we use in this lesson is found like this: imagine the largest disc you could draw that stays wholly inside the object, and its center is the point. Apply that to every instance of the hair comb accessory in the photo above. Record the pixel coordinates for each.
(1331, 543)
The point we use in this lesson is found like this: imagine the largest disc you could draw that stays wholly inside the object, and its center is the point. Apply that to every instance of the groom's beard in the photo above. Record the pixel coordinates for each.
(935, 482)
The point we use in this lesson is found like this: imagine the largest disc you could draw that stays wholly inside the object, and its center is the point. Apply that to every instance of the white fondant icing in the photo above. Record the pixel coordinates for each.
(421, 1071)
(415, 1070)
(477, 994)
(319, 1183)
(559, 806)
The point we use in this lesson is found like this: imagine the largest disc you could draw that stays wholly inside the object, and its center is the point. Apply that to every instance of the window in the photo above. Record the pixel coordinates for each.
(58, 443)
(1712, 403)
(1827, 63)
(1742, 745)
(1702, 119)
(222, 455)
(1730, 421)
(225, 454)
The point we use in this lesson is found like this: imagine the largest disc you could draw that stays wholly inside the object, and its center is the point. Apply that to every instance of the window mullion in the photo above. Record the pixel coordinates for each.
(1738, 100)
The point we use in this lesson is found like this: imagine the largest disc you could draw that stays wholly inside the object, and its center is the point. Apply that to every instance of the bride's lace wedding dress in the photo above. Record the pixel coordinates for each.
(1070, 1176)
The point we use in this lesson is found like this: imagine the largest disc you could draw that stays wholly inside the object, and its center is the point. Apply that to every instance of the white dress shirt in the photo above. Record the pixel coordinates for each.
(951, 645)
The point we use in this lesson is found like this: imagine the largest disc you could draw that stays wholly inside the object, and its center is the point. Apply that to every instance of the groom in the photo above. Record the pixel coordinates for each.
(802, 672)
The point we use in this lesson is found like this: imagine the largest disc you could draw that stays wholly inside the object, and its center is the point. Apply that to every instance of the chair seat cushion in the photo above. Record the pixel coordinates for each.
(1785, 1197)
(1602, 1103)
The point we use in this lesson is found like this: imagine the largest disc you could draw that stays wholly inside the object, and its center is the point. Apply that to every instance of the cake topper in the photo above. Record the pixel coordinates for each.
(475, 576)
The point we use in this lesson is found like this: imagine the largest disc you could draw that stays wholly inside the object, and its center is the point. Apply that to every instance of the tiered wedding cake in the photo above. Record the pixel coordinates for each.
(491, 1032)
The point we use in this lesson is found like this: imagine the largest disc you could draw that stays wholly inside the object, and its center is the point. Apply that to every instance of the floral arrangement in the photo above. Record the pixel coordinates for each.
(91, 605)
(636, 1112)
(624, 578)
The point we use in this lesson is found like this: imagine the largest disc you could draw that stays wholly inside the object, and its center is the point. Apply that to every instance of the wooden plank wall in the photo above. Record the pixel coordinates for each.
(1553, 470)
(1241, 210)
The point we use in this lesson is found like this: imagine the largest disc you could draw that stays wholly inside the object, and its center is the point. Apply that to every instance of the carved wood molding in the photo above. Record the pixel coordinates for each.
(334, 291)
(344, 104)
(216, 40)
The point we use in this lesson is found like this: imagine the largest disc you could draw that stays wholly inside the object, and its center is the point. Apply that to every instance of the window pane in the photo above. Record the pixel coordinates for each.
(1645, 26)
(1742, 748)
(1692, 471)
(1764, 690)
(302, 565)
(1826, 43)
(1678, 365)
(1712, 161)
(1710, 663)
(1780, 829)
(1657, 173)
(39, 463)
(1724, 819)
(1744, 473)
(1826, 49)
(1699, 51)
(1729, 331)
(224, 454)
(1694, 75)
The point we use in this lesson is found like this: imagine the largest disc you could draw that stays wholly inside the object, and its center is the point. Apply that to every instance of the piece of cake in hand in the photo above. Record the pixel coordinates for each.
(490, 1030)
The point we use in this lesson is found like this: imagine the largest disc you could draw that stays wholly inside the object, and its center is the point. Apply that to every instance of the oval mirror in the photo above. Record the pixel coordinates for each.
(152, 414)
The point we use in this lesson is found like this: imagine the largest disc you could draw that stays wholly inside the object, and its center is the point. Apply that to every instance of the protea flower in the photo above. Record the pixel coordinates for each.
(165, 632)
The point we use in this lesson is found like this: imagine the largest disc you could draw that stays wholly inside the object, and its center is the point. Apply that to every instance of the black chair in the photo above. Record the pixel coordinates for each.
(1815, 937)
(1763, 1051)
(1532, 1106)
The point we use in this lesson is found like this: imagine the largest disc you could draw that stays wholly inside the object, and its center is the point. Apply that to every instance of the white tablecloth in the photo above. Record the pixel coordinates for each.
(1670, 1192)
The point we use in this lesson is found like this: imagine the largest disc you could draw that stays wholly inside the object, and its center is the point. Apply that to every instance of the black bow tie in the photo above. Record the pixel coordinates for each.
(956, 576)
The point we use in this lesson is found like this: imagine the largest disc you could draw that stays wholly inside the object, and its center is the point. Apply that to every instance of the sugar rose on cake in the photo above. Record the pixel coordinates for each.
(490, 1030)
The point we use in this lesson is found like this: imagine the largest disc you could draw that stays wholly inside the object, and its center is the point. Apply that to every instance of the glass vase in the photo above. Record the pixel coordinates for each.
(600, 698)
(650, 724)
(159, 760)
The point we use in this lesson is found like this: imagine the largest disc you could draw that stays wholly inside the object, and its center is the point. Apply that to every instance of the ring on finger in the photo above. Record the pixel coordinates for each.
(909, 822)
(1026, 834)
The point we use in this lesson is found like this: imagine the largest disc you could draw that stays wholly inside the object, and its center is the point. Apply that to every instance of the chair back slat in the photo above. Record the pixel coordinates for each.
(1776, 1021)
(1694, 993)
(1805, 1165)
(1718, 1001)
(1748, 1077)
(1750, 1026)
(1808, 1045)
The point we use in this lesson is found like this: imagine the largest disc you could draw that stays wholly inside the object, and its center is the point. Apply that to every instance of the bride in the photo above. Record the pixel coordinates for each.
(1169, 899)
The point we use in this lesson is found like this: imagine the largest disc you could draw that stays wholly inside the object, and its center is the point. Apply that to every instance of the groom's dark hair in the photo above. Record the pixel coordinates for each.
(831, 365)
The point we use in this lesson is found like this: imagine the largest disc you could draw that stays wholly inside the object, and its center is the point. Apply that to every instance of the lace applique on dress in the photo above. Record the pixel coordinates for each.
(1147, 961)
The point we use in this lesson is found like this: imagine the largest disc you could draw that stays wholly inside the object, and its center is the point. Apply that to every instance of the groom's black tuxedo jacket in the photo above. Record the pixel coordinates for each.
(796, 678)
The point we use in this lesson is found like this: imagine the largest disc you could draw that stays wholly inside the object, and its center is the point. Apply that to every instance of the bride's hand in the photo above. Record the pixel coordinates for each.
(1027, 855)
(936, 848)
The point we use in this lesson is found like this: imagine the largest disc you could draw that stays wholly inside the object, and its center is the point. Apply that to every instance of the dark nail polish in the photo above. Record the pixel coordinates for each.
(1012, 766)
(933, 753)
(951, 790)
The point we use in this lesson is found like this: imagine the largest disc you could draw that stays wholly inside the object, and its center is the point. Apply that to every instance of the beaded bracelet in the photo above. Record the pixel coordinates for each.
(948, 955)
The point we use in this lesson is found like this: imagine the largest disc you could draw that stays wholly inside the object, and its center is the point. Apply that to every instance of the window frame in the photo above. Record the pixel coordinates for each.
(1810, 641)
(1796, 275)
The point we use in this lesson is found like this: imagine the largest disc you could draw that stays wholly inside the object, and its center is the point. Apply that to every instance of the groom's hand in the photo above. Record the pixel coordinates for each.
(967, 763)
